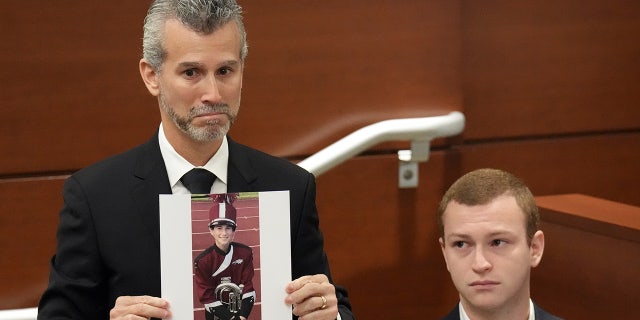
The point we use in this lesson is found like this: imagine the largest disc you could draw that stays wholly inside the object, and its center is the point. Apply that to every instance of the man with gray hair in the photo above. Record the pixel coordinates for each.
(107, 262)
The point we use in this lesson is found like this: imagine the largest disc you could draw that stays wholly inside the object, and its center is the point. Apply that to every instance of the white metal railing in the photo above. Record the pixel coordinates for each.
(19, 314)
(420, 131)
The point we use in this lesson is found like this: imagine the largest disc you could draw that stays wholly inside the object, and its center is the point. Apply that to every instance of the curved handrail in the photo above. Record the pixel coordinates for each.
(414, 129)
(19, 314)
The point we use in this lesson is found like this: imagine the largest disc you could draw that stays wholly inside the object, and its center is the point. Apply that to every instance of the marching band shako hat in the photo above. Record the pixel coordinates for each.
(222, 213)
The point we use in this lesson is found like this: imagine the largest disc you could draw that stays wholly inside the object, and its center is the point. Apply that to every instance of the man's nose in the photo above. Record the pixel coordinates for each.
(211, 91)
(480, 261)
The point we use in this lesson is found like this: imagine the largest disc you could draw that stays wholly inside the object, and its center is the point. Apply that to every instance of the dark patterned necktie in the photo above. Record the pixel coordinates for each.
(198, 181)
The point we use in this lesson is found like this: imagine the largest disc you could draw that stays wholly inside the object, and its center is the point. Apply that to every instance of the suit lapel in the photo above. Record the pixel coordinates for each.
(241, 174)
(152, 180)
(454, 314)
(543, 315)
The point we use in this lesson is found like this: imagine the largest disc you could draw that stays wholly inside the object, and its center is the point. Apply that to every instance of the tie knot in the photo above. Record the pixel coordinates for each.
(198, 181)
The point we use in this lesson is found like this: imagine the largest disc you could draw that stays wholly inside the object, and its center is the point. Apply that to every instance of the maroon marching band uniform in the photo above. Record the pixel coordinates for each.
(214, 267)
(214, 264)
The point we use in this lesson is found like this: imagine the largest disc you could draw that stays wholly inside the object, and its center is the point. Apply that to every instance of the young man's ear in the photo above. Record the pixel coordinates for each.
(150, 77)
(443, 254)
(537, 248)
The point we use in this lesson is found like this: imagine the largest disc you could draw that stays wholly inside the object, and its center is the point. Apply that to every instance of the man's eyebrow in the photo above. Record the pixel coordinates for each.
(502, 233)
(195, 64)
(230, 62)
(496, 233)
(190, 64)
(458, 236)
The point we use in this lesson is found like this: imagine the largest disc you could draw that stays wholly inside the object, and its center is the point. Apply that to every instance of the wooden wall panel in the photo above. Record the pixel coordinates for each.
(554, 68)
(603, 270)
(72, 93)
(28, 221)
(604, 166)
(587, 231)
(323, 69)
(381, 240)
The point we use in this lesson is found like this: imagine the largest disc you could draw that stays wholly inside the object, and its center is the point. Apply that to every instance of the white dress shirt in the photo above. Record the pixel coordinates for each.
(464, 316)
(177, 166)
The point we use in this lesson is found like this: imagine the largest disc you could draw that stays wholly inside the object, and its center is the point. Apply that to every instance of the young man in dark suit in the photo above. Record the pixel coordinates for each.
(490, 239)
(107, 263)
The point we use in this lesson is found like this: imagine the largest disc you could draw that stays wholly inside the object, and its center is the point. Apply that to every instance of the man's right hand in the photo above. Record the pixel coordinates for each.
(140, 307)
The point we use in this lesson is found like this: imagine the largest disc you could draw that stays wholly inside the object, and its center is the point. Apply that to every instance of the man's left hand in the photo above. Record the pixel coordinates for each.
(313, 297)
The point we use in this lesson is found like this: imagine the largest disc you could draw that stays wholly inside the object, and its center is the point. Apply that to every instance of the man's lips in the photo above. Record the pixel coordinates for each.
(209, 114)
(211, 117)
(484, 283)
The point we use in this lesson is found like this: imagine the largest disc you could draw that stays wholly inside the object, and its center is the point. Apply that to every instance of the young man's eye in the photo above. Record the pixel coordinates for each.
(497, 242)
(190, 73)
(458, 244)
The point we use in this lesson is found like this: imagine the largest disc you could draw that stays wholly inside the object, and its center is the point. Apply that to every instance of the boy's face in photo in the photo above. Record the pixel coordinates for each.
(223, 235)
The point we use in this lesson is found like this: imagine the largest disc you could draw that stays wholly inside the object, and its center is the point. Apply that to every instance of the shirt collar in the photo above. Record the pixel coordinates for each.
(464, 316)
(177, 166)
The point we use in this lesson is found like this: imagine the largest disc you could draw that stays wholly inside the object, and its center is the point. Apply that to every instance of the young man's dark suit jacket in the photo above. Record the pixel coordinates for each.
(108, 237)
(540, 314)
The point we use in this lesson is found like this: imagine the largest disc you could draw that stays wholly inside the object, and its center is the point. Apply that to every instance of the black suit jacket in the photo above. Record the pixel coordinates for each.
(540, 314)
(108, 236)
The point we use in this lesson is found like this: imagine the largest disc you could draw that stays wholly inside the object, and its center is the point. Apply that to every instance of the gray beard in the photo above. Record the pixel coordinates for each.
(214, 130)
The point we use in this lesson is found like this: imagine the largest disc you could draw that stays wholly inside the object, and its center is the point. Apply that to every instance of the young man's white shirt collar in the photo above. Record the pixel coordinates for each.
(464, 316)
(177, 166)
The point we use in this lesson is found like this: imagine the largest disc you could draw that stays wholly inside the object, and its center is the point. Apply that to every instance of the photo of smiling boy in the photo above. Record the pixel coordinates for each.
(223, 273)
